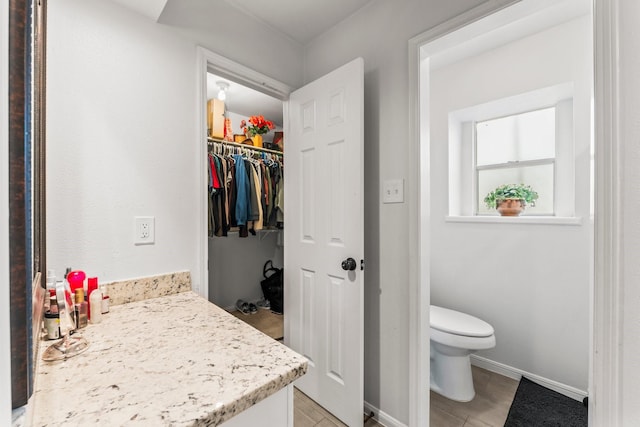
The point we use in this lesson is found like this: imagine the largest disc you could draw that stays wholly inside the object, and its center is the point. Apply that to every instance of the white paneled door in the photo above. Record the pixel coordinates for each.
(324, 238)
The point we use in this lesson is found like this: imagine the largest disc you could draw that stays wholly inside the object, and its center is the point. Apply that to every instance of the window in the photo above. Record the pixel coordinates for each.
(517, 149)
(522, 139)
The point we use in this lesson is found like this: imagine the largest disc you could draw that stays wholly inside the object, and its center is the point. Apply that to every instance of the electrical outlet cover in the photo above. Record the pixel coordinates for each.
(144, 231)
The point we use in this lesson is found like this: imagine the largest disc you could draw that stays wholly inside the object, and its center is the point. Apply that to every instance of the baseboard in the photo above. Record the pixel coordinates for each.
(511, 372)
(381, 417)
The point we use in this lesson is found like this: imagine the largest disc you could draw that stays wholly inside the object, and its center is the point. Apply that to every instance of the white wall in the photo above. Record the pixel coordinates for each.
(5, 333)
(121, 140)
(531, 282)
(629, 66)
(380, 34)
(120, 137)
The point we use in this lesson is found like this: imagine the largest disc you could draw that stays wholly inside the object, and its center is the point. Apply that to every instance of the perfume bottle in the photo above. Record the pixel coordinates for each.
(95, 306)
(81, 309)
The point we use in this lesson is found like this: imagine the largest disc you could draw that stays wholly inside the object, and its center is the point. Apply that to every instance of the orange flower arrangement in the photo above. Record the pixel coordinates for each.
(256, 125)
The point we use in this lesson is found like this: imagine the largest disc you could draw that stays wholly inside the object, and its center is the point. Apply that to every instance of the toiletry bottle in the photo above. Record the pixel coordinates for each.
(70, 299)
(92, 285)
(95, 306)
(53, 302)
(50, 286)
(105, 299)
(76, 280)
(80, 309)
(51, 280)
(52, 324)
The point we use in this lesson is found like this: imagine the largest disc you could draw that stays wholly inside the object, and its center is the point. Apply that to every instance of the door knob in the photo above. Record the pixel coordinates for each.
(349, 264)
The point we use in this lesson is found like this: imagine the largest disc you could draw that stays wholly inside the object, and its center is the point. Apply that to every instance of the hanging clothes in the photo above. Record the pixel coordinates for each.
(244, 186)
(218, 223)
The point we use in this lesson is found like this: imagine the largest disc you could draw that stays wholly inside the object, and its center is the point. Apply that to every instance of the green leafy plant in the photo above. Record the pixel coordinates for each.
(511, 191)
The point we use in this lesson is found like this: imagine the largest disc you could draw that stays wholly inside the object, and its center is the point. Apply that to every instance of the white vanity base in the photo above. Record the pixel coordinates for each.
(275, 410)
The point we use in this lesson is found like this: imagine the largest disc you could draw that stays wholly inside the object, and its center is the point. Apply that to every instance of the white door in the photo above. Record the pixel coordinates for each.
(323, 302)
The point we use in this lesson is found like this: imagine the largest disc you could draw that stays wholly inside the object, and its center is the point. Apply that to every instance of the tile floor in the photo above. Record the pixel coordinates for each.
(494, 394)
(265, 321)
(307, 413)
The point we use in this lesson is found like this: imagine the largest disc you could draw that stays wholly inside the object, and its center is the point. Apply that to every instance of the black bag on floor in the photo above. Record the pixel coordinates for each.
(273, 286)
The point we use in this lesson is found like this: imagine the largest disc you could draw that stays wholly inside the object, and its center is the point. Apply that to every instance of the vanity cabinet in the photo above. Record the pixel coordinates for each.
(174, 360)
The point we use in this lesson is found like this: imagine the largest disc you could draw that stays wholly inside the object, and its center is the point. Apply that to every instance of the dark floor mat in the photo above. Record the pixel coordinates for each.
(535, 405)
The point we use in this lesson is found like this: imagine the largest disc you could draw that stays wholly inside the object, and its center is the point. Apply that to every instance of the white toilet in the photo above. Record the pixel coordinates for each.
(454, 336)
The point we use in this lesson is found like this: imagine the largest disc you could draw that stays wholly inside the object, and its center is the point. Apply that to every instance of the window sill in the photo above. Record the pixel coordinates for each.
(541, 220)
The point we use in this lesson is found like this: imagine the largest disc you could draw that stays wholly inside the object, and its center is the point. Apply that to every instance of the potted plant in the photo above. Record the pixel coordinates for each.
(255, 128)
(511, 199)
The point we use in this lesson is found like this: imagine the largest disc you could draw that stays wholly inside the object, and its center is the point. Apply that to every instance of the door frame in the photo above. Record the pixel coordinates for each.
(207, 60)
(605, 376)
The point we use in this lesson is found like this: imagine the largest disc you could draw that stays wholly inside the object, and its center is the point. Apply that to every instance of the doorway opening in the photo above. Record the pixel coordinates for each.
(221, 69)
(447, 97)
(233, 258)
(245, 254)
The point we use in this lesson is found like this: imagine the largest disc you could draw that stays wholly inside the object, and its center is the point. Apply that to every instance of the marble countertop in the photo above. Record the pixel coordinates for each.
(174, 360)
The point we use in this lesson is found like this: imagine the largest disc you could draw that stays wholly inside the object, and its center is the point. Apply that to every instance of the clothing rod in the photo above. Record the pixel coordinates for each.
(246, 146)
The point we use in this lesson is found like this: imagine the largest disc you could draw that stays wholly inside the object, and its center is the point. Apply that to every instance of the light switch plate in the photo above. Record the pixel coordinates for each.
(393, 191)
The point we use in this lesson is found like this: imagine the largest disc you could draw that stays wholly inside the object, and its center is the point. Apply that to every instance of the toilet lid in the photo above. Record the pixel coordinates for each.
(454, 322)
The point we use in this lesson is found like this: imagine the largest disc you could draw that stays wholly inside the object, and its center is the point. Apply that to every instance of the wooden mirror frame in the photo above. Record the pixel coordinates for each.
(27, 183)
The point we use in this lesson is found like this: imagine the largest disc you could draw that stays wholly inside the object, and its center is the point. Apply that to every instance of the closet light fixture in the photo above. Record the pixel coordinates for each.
(222, 90)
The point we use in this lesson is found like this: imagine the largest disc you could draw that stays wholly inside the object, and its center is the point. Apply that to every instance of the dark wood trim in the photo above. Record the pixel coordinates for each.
(38, 287)
(18, 45)
(40, 138)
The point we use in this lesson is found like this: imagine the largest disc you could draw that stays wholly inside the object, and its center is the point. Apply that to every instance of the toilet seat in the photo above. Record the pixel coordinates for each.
(462, 324)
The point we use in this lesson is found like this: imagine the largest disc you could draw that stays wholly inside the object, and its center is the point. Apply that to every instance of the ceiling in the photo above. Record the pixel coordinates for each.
(300, 20)
(246, 101)
(516, 22)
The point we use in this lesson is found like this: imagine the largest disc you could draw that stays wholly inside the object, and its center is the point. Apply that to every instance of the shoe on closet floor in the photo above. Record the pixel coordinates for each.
(253, 309)
(263, 304)
(242, 306)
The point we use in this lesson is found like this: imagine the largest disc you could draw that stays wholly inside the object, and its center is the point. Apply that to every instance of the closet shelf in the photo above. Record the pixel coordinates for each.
(248, 147)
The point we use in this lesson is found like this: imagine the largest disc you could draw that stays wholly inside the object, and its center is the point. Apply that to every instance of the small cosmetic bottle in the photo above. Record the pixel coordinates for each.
(92, 285)
(95, 306)
(50, 287)
(81, 309)
(52, 324)
(53, 302)
(105, 299)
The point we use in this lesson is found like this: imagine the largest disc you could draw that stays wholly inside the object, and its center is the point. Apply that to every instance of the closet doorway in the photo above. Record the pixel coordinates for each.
(247, 84)
(244, 252)
(237, 249)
